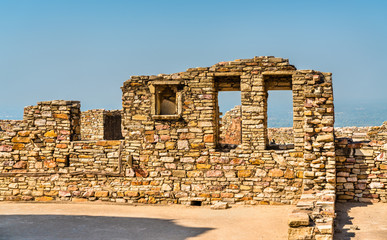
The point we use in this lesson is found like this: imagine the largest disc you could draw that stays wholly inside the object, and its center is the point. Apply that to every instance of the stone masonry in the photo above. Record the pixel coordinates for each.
(172, 149)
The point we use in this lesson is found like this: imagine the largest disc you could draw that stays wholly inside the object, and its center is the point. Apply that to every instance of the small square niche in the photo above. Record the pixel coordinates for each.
(166, 100)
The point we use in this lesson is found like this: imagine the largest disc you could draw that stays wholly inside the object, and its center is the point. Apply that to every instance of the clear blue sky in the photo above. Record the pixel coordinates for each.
(85, 49)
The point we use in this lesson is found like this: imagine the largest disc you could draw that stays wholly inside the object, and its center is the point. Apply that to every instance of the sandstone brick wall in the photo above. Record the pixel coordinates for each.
(361, 170)
(40, 142)
(171, 151)
(194, 134)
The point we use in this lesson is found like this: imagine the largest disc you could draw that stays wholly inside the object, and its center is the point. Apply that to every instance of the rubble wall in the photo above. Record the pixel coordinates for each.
(172, 150)
(184, 149)
(92, 124)
(362, 168)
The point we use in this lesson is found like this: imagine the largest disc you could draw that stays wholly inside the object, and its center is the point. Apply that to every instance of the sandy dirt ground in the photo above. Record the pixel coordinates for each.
(111, 221)
(361, 221)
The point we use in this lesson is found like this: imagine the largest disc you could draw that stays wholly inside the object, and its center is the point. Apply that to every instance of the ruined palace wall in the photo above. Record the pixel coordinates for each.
(175, 158)
(183, 150)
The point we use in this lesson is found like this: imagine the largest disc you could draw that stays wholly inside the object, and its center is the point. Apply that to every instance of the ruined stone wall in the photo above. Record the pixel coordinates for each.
(362, 169)
(40, 142)
(91, 174)
(171, 152)
(184, 149)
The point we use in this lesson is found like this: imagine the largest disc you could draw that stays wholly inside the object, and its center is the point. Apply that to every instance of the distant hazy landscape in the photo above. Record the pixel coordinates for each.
(345, 116)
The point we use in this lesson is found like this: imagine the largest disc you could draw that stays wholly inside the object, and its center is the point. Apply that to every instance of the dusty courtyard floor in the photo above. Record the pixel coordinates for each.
(107, 221)
(361, 221)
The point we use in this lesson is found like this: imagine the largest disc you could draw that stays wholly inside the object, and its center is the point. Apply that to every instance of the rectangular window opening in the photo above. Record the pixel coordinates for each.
(112, 125)
(228, 113)
(166, 100)
(279, 114)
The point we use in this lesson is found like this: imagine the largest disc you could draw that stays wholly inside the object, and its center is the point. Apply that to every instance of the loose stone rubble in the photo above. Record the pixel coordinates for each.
(171, 148)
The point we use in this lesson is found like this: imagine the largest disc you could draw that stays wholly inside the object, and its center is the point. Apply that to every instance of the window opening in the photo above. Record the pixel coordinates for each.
(112, 125)
(279, 112)
(228, 117)
(166, 99)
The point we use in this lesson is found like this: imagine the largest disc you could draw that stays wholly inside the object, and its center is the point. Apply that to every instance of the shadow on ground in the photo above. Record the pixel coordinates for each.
(345, 229)
(47, 227)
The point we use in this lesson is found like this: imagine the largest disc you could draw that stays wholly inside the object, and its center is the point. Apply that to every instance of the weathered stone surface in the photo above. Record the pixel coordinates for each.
(244, 173)
(61, 116)
(44, 199)
(20, 165)
(5, 148)
(297, 219)
(219, 206)
(21, 140)
(214, 173)
(178, 173)
(276, 173)
(325, 138)
(182, 145)
(203, 166)
(140, 117)
(100, 194)
(301, 233)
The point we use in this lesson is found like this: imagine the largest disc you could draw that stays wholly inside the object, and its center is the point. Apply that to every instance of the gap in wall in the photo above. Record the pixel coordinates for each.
(280, 117)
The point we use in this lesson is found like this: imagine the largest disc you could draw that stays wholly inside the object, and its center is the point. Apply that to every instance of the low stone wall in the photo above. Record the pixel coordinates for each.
(361, 171)
(92, 169)
(97, 170)
(282, 136)
(355, 133)
(43, 153)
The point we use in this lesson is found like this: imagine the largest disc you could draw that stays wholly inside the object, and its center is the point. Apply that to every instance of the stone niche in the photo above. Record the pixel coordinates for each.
(166, 99)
